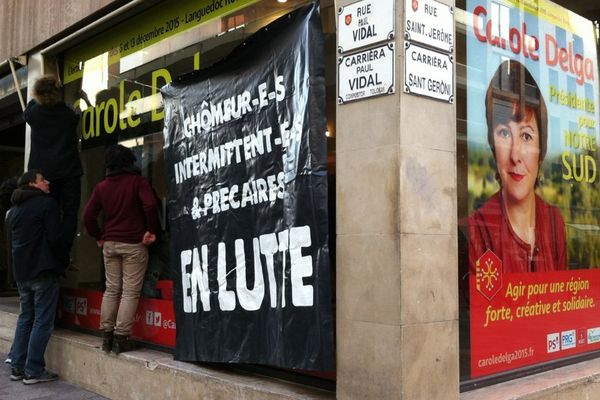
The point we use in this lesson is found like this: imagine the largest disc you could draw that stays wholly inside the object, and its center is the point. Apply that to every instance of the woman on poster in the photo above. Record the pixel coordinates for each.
(522, 230)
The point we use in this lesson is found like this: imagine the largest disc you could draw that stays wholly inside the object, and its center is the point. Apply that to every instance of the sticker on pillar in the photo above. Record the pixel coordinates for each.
(488, 275)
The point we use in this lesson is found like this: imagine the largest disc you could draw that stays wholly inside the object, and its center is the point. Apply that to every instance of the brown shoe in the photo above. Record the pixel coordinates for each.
(107, 341)
(123, 344)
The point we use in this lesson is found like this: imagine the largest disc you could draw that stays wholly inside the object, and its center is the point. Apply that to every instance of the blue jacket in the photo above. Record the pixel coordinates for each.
(36, 235)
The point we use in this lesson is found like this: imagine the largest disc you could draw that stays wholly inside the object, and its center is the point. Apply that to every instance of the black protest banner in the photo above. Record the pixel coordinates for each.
(245, 149)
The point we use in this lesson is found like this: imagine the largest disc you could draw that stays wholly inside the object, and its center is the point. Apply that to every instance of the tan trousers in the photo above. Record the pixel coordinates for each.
(125, 266)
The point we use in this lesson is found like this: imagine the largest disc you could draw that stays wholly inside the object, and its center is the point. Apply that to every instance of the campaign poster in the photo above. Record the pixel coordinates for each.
(533, 200)
(245, 150)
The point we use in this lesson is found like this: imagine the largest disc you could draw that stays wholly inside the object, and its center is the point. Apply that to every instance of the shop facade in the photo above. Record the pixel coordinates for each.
(407, 169)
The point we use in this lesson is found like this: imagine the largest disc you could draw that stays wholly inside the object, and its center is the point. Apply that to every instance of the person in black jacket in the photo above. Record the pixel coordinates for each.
(37, 258)
(54, 149)
(6, 190)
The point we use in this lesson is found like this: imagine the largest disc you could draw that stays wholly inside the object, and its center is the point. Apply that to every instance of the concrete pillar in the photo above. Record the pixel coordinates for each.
(397, 268)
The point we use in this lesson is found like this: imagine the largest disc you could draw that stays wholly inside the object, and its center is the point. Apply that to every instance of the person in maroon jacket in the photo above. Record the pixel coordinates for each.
(525, 232)
(129, 208)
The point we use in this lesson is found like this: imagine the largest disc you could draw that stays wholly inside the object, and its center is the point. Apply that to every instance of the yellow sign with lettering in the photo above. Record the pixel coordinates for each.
(149, 27)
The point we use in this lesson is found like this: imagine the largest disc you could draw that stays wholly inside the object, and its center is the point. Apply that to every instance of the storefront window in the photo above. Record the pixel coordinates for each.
(117, 91)
(527, 135)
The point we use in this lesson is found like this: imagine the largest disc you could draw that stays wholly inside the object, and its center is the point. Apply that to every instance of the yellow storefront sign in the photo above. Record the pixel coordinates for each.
(149, 27)
(548, 11)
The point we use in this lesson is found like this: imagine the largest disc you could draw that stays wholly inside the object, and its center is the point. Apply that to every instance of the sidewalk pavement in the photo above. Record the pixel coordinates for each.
(59, 389)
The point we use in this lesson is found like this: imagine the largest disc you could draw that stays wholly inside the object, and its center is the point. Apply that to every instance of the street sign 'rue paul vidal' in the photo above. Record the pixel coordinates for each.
(364, 23)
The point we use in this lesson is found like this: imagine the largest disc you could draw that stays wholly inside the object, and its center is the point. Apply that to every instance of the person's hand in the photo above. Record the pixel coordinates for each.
(84, 97)
(148, 238)
(100, 243)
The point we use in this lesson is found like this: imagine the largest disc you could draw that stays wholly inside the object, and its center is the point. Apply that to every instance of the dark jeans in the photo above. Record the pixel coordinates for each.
(39, 298)
(67, 193)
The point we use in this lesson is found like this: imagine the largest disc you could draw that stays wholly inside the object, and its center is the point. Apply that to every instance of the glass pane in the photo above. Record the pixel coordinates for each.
(120, 103)
(527, 123)
(118, 94)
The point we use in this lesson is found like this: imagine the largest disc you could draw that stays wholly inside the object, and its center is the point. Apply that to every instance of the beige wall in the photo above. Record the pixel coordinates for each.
(25, 24)
(397, 318)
